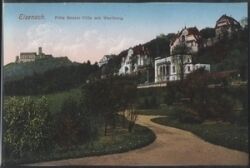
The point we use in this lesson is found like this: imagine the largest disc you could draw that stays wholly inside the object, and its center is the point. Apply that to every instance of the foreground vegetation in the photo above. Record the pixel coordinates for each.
(224, 134)
(80, 122)
(119, 141)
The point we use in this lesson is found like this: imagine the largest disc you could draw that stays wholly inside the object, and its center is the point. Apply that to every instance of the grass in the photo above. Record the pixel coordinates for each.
(120, 141)
(162, 110)
(224, 134)
(55, 100)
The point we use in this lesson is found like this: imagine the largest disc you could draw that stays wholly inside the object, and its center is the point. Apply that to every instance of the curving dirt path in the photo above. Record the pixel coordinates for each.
(171, 147)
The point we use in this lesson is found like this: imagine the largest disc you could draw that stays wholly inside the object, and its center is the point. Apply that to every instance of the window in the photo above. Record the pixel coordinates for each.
(167, 70)
(173, 69)
(183, 38)
(164, 70)
(188, 68)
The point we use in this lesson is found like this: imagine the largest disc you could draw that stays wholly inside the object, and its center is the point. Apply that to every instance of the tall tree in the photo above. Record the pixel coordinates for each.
(181, 54)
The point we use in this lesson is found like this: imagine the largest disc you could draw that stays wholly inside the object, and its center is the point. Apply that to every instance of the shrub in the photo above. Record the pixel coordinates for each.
(185, 115)
(169, 98)
(26, 125)
(74, 126)
(153, 102)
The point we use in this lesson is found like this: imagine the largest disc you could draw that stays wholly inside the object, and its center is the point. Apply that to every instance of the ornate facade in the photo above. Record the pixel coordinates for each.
(137, 59)
(190, 37)
(171, 67)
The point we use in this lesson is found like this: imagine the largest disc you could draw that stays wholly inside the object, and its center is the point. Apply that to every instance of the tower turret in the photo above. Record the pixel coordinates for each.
(40, 51)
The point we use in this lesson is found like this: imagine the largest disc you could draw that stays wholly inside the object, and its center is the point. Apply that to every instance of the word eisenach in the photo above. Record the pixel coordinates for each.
(31, 17)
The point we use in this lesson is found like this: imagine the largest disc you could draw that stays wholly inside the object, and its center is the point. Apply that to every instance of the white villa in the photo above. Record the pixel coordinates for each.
(104, 60)
(126, 64)
(190, 36)
(136, 59)
(169, 68)
(226, 25)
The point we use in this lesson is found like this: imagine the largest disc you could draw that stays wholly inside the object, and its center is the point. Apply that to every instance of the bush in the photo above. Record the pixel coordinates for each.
(26, 125)
(149, 103)
(73, 126)
(185, 115)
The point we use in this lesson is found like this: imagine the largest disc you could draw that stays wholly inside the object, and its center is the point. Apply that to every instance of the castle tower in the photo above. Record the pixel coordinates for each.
(40, 51)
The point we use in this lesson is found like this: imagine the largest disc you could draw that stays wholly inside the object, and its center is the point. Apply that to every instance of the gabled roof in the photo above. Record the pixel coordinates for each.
(191, 31)
(229, 20)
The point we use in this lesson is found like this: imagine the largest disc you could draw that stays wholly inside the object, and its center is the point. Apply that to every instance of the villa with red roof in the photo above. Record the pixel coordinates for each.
(226, 25)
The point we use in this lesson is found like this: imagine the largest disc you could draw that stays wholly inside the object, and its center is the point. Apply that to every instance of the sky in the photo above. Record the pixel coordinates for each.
(85, 39)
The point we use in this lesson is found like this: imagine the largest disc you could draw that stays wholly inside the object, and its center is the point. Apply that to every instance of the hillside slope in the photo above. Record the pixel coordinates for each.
(15, 71)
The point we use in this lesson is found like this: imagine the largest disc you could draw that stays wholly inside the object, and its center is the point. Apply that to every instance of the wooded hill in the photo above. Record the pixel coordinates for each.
(17, 71)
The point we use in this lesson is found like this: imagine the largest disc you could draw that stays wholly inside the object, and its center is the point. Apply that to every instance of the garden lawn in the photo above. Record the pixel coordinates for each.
(162, 110)
(224, 134)
(119, 141)
(56, 100)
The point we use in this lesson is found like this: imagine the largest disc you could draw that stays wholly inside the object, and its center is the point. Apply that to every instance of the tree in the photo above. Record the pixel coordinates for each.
(180, 59)
(131, 116)
(207, 33)
(105, 98)
(27, 124)
(73, 126)
(244, 22)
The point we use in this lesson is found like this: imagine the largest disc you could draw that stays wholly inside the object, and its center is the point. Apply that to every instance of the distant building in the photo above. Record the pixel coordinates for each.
(27, 57)
(142, 56)
(105, 59)
(226, 25)
(127, 64)
(136, 60)
(31, 56)
(190, 37)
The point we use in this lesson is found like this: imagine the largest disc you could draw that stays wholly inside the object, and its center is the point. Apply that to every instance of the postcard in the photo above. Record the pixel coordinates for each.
(125, 84)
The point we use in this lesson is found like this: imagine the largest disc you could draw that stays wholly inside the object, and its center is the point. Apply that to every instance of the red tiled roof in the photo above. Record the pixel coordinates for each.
(223, 74)
(191, 31)
(229, 19)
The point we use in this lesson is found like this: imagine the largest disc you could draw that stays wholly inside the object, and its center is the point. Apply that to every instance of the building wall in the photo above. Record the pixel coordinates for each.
(31, 56)
(167, 69)
(190, 41)
(131, 63)
(103, 61)
(27, 57)
(126, 64)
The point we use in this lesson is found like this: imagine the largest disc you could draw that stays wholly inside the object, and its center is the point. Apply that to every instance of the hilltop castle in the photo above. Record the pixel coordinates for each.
(32, 56)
